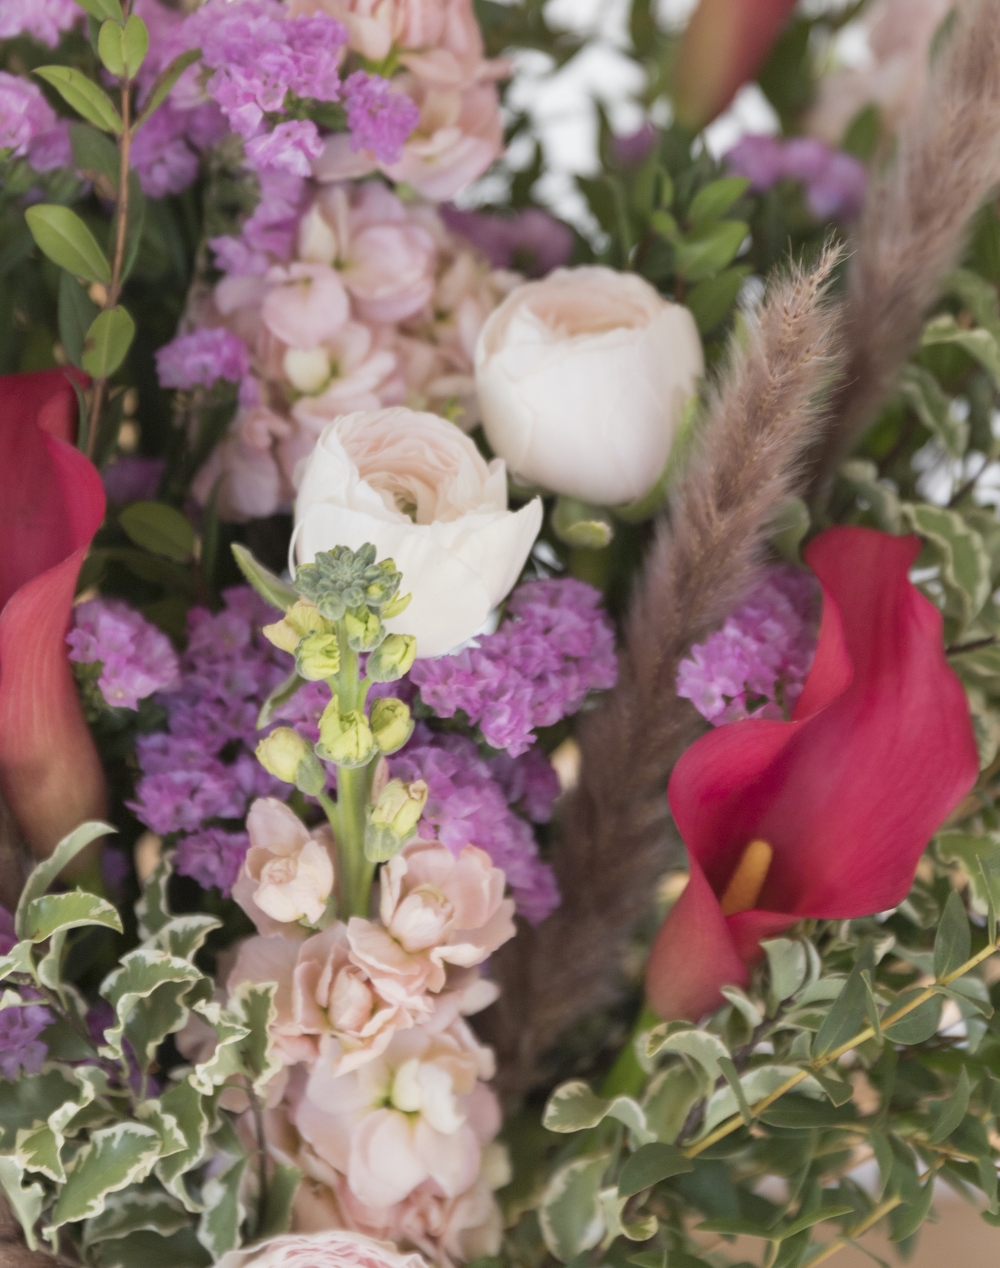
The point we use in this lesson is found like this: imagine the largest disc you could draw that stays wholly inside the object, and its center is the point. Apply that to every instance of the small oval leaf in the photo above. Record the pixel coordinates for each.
(649, 1165)
(109, 47)
(107, 343)
(67, 241)
(86, 98)
(160, 529)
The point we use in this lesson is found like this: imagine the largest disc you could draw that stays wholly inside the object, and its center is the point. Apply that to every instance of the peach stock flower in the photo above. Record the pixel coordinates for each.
(332, 1248)
(288, 872)
(436, 910)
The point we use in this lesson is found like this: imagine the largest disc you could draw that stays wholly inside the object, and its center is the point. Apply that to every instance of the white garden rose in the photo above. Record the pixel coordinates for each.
(334, 1249)
(583, 378)
(421, 493)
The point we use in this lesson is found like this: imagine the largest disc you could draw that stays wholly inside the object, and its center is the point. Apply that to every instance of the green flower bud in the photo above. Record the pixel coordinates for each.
(364, 630)
(317, 657)
(394, 819)
(399, 604)
(393, 659)
(289, 757)
(392, 725)
(300, 620)
(345, 738)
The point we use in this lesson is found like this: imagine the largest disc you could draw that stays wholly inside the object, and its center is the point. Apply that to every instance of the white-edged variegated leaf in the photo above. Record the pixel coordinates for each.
(756, 1084)
(46, 872)
(978, 855)
(113, 1158)
(699, 1045)
(172, 1139)
(50, 967)
(253, 1004)
(187, 1108)
(612, 1208)
(18, 960)
(574, 1107)
(744, 1005)
(147, 1248)
(38, 1149)
(980, 344)
(28, 1101)
(670, 1097)
(931, 404)
(985, 726)
(874, 494)
(789, 965)
(219, 1228)
(225, 1061)
(56, 913)
(153, 908)
(133, 1211)
(184, 936)
(26, 1201)
(139, 974)
(964, 562)
(570, 1211)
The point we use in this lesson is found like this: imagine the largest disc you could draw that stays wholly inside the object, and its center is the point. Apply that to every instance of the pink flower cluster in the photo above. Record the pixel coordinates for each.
(201, 358)
(45, 20)
(136, 658)
(756, 665)
(348, 299)
(834, 182)
(382, 1101)
(556, 645)
(29, 127)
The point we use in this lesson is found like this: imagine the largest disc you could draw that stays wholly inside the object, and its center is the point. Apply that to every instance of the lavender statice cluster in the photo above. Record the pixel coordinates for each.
(470, 802)
(201, 358)
(756, 665)
(21, 1047)
(834, 182)
(200, 775)
(379, 119)
(134, 657)
(43, 20)
(555, 646)
(29, 127)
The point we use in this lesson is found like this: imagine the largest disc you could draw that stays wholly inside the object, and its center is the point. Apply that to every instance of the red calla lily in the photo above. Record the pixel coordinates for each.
(846, 795)
(722, 47)
(51, 505)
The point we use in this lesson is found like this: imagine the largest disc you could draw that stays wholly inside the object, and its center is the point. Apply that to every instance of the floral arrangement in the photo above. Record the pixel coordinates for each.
(499, 694)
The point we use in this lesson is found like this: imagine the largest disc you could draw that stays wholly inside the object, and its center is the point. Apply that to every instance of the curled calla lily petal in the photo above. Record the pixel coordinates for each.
(846, 795)
(51, 505)
(722, 47)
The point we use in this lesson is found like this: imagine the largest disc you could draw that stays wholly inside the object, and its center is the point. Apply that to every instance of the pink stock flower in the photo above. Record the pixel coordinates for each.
(306, 304)
(437, 910)
(332, 1248)
(288, 872)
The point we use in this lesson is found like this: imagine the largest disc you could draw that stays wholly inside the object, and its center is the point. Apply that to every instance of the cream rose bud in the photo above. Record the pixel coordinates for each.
(583, 378)
(335, 1248)
(420, 491)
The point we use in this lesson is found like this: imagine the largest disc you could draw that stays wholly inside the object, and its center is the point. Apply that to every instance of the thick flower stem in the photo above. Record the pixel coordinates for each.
(732, 1124)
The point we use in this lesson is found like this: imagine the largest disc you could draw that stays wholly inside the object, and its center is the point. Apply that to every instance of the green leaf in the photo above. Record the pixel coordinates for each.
(280, 1196)
(714, 199)
(55, 912)
(699, 1045)
(573, 1107)
(38, 1150)
(164, 82)
(96, 157)
(85, 97)
(708, 248)
(908, 1217)
(153, 908)
(804, 1113)
(67, 241)
(253, 1004)
(978, 296)
(712, 300)
(114, 1158)
(46, 872)
(918, 1025)
(809, 1220)
(134, 1211)
(76, 315)
(219, 1229)
(757, 1083)
(849, 1012)
(270, 587)
(160, 529)
(953, 940)
(109, 48)
(980, 344)
(788, 963)
(107, 343)
(964, 560)
(877, 496)
(30, 1100)
(25, 1201)
(649, 1165)
(139, 974)
(135, 220)
(102, 9)
(669, 1099)
(922, 392)
(135, 45)
(279, 696)
(186, 1106)
(953, 1110)
(569, 1211)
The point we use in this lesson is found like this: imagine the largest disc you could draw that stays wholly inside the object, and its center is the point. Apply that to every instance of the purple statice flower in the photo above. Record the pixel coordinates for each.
(20, 1046)
(466, 805)
(532, 241)
(29, 127)
(288, 148)
(136, 658)
(163, 159)
(556, 645)
(132, 478)
(529, 782)
(834, 182)
(200, 775)
(212, 857)
(756, 665)
(378, 118)
(202, 358)
(268, 236)
(629, 149)
(44, 19)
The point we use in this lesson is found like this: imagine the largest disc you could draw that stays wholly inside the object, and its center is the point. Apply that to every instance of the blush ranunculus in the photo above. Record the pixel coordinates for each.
(333, 1248)
(51, 505)
(824, 816)
(583, 378)
(420, 491)
(288, 872)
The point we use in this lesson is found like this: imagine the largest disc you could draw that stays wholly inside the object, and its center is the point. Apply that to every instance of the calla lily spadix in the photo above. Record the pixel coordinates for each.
(826, 815)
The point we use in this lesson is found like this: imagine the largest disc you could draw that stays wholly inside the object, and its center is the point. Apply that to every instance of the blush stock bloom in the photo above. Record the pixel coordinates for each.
(824, 816)
(329, 1249)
